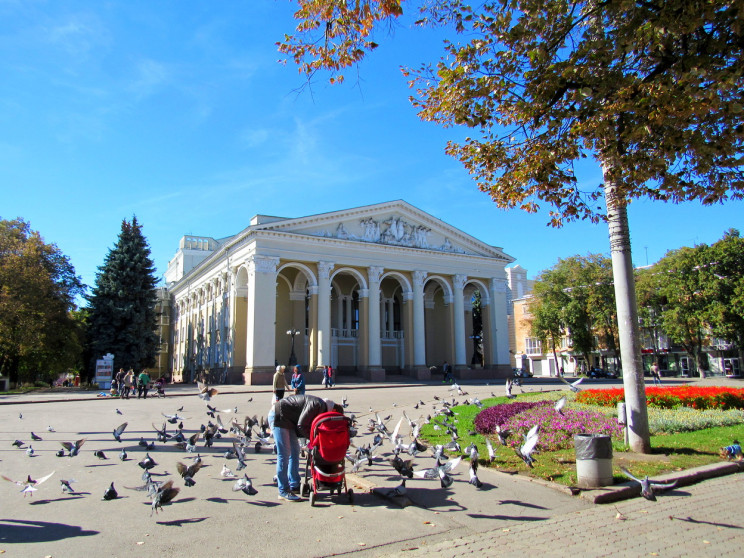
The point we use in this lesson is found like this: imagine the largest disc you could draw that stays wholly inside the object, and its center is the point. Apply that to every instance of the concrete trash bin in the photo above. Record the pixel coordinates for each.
(593, 460)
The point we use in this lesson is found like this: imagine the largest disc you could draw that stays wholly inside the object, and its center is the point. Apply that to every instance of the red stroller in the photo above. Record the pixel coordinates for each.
(329, 442)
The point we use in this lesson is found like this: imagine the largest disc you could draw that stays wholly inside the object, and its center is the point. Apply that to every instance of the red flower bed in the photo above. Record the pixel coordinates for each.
(711, 397)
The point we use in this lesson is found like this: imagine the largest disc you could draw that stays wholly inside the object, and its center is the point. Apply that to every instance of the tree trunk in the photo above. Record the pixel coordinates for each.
(627, 320)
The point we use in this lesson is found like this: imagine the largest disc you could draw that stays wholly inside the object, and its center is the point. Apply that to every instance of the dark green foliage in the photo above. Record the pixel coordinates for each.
(122, 305)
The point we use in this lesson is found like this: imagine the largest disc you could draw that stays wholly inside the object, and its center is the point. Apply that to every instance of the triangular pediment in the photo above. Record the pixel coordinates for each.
(395, 223)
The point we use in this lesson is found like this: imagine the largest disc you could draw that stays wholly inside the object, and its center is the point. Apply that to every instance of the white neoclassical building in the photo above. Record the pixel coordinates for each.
(374, 290)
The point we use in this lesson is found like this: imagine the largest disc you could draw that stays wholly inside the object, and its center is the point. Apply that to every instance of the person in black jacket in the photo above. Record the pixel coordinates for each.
(291, 418)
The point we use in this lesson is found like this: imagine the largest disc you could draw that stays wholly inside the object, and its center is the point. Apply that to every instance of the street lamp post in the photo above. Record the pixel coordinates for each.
(292, 358)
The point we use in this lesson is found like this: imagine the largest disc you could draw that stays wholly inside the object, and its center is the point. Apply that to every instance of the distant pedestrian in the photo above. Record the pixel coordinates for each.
(128, 383)
(143, 384)
(279, 383)
(120, 381)
(298, 381)
(328, 376)
(655, 373)
(447, 369)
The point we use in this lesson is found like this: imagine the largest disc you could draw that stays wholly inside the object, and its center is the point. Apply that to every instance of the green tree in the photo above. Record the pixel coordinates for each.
(575, 297)
(38, 286)
(122, 317)
(650, 89)
(727, 314)
(685, 281)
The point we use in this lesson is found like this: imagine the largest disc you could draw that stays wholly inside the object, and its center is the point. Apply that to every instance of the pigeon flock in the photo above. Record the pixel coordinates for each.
(387, 444)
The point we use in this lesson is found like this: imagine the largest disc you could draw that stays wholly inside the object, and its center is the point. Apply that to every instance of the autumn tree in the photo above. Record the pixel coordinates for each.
(38, 334)
(651, 90)
(121, 317)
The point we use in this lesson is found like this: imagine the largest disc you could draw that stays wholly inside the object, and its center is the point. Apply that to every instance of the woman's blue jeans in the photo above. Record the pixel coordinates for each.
(287, 456)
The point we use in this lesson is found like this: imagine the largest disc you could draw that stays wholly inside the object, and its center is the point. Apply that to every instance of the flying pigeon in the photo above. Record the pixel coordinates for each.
(573, 386)
(245, 485)
(110, 493)
(119, 430)
(164, 495)
(648, 487)
(440, 471)
(29, 485)
(530, 441)
(206, 392)
(560, 404)
(188, 472)
(489, 448)
(503, 434)
(173, 419)
(508, 389)
(474, 480)
(404, 468)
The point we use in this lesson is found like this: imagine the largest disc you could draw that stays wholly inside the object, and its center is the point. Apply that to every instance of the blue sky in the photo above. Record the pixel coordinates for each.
(178, 112)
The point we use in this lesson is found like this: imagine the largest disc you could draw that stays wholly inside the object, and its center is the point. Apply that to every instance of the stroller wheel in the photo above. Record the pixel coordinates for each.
(313, 496)
(350, 494)
(305, 490)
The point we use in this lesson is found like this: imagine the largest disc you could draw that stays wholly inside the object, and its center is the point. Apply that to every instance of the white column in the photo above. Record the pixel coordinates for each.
(458, 318)
(340, 311)
(261, 331)
(349, 304)
(390, 316)
(499, 331)
(324, 313)
(375, 350)
(419, 325)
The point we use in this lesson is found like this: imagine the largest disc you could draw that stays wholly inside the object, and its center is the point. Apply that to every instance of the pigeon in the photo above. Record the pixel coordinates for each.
(399, 490)
(180, 409)
(191, 443)
(29, 485)
(110, 493)
(100, 455)
(344, 402)
(60, 453)
(573, 386)
(173, 419)
(503, 434)
(226, 472)
(508, 389)
(147, 462)
(65, 485)
(162, 434)
(119, 430)
(142, 443)
(18, 444)
(648, 487)
(474, 480)
(118, 412)
(560, 404)
(164, 495)
(491, 453)
(206, 392)
(530, 441)
(188, 472)
(245, 485)
(439, 471)
(123, 455)
(404, 468)
(50, 429)
(30, 451)
(35, 438)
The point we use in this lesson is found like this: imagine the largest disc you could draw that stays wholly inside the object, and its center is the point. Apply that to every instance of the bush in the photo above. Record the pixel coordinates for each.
(488, 419)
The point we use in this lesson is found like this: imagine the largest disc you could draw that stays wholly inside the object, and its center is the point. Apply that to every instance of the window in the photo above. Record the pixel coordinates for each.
(533, 346)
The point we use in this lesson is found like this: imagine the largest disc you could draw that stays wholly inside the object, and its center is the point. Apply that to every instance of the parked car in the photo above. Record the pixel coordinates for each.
(595, 372)
(521, 373)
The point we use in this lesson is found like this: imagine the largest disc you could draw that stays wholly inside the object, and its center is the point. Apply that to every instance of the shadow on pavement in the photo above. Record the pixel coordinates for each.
(22, 531)
(182, 522)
